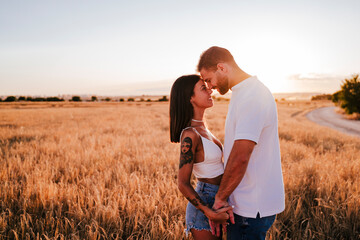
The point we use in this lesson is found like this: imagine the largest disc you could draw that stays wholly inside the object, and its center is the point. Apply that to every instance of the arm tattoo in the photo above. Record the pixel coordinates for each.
(187, 155)
(196, 201)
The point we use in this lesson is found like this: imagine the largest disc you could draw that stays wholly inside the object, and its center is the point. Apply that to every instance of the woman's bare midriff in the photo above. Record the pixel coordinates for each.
(215, 181)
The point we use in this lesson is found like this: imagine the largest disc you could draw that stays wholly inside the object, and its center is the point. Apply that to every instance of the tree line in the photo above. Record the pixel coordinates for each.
(77, 99)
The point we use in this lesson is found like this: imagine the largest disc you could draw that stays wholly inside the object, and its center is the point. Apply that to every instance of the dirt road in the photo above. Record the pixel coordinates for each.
(327, 116)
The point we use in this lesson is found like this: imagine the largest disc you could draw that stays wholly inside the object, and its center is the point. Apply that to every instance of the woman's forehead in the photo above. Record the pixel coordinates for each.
(201, 82)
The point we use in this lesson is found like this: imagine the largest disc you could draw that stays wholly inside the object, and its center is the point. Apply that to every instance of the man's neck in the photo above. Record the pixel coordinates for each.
(238, 77)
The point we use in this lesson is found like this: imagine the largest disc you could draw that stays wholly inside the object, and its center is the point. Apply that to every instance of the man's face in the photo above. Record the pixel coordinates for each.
(215, 80)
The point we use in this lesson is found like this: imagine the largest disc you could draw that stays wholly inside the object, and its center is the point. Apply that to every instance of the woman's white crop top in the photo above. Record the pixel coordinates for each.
(212, 166)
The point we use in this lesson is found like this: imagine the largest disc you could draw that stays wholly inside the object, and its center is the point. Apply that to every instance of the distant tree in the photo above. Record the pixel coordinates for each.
(108, 99)
(348, 97)
(29, 99)
(0, 99)
(336, 96)
(10, 99)
(142, 100)
(220, 99)
(54, 99)
(163, 99)
(321, 97)
(94, 98)
(149, 100)
(38, 99)
(76, 99)
(21, 98)
(131, 99)
(121, 100)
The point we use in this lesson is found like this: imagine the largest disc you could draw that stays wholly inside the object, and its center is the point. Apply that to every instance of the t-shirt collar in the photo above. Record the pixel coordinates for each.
(243, 83)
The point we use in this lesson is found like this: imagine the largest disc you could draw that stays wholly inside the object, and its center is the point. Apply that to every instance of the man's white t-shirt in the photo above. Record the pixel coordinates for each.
(252, 115)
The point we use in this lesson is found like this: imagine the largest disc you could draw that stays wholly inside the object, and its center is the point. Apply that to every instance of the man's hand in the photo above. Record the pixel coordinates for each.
(221, 206)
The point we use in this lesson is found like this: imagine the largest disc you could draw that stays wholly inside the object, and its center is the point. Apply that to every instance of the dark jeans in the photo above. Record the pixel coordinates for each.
(249, 228)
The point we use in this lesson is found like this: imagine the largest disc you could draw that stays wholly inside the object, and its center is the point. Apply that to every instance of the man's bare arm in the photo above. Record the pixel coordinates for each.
(235, 168)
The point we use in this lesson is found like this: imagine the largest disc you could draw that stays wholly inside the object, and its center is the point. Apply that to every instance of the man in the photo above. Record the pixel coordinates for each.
(252, 181)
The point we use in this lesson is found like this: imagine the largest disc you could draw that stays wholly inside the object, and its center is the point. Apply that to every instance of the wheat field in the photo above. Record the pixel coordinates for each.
(108, 171)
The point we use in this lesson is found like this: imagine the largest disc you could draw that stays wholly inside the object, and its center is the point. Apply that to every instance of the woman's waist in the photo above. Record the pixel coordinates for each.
(210, 181)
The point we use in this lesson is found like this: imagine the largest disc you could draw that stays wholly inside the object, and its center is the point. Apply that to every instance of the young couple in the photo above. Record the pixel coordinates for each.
(239, 185)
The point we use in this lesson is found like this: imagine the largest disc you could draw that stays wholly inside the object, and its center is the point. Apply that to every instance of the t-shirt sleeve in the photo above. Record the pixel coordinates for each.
(250, 120)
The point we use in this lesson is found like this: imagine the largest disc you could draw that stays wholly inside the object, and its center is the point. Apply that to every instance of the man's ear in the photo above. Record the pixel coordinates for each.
(222, 67)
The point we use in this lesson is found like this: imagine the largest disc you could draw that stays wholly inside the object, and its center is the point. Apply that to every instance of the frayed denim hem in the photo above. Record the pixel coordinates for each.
(187, 230)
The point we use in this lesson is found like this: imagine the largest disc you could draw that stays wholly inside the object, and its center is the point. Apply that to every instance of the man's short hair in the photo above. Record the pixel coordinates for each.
(214, 55)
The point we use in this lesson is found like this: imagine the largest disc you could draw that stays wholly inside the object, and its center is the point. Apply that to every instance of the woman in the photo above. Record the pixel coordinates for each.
(201, 154)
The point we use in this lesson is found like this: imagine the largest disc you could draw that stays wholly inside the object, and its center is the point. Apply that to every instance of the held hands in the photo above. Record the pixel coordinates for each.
(220, 215)
(222, 211)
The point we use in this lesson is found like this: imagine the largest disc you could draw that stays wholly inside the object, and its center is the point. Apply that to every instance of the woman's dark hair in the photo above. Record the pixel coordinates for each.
(181, 110)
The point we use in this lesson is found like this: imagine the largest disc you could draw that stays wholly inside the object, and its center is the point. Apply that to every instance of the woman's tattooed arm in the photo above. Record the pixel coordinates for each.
(196, 202)
(187, 155)
(187, 158)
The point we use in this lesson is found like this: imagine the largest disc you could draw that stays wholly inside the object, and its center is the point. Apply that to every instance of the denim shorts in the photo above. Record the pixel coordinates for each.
(194, 217)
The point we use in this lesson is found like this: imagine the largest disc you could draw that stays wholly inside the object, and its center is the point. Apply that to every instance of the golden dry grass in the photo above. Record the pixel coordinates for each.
(108, 171)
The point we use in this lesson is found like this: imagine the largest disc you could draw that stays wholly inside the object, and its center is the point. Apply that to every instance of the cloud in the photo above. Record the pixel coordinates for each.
(317, 82)
(316, 77)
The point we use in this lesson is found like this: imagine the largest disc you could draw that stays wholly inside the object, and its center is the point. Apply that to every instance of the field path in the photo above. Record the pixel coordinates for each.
(327, 116)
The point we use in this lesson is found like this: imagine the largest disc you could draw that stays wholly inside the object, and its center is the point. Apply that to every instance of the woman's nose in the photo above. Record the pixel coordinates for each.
(210, 91)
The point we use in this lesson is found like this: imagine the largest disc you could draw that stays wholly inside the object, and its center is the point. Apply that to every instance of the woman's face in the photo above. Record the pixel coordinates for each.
(202, 95)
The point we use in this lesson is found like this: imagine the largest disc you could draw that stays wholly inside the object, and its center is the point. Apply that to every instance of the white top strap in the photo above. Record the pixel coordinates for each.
(194, 130)
(183, 131)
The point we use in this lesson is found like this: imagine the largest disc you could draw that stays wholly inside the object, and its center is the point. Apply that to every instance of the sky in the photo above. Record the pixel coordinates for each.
(141, 47)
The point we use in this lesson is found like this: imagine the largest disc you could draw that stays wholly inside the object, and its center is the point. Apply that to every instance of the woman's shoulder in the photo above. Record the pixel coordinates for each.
(189, 132)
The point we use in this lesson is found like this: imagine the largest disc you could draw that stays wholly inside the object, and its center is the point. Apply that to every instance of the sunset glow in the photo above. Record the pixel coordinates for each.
(93, 47)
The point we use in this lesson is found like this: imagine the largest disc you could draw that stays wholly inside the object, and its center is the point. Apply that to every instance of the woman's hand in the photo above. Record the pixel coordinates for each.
(220, 215)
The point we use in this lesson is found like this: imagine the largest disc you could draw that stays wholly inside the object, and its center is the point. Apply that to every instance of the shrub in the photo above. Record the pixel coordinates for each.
(220, 99)
(38, 99)
(131, 99)
(336, 96)
(348, 97)
(321, 97)
(21, 98)
(163, 99)
(93, 98)
(121, 100)
(54, 99)
(76, 99)
(10, 99)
